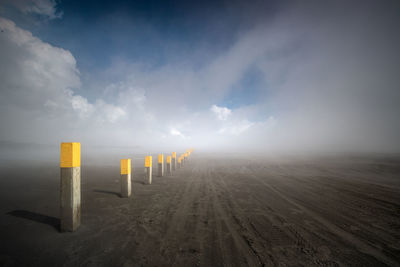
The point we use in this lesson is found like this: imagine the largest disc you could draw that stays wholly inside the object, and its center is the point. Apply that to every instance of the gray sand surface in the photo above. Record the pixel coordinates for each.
(217, 211)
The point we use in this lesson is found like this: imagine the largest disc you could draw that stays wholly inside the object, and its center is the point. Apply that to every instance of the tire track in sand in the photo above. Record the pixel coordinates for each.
(243, 245)
(348, 237)
(281, 230)
(172, 241)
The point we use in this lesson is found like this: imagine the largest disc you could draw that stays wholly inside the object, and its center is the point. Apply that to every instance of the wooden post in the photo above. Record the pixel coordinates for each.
(70, 190)
(148, 164)
(125, 177)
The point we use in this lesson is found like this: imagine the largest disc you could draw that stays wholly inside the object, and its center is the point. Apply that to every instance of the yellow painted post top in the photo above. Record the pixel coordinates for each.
(168, 159)
(160, 158)
(70, 155)
(179, 160)
(125, 166)
(174, 155)
(149, 161)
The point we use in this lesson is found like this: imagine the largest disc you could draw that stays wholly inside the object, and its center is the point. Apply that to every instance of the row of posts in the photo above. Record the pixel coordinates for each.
(70, 186)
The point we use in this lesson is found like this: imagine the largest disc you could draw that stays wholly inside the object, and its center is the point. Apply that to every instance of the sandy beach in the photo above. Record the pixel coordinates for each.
(217, 211)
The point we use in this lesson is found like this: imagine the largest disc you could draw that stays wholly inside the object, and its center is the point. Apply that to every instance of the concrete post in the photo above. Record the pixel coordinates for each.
(125, 177)
(179, 163)
(160, 165)
(182, 161)
(70, 191)
(173, 161)
(169, 171)
(148, 164)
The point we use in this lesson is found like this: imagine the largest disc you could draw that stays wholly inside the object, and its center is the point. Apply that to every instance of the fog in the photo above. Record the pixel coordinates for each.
(327, 81)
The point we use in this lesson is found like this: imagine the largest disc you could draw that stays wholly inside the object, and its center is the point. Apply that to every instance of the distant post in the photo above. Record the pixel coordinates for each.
(160, 165)
(148, 164)
(169, 172)
(182, 160)
(179, 163)
(125, 177)
(70, 164)
(173, 161)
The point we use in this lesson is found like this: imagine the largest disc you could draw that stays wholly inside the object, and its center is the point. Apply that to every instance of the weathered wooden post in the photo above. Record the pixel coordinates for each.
(160, 165)
(179, 163)
(125, 177)
(182, 160)
(173, 161)
(169, 172)
(70, 164)
(148, 164)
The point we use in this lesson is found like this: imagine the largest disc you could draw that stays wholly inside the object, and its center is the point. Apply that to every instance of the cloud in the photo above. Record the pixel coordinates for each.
(38, 92)
(108, 113)
(175, 132)
(326, 84)
(34, 72)
(235, 129)
(45, 8)
(81, 105)
(222, 113)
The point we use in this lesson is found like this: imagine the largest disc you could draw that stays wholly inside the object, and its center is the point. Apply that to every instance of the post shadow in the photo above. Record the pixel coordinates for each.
(138, 182)
(36, 217)
(107, 192)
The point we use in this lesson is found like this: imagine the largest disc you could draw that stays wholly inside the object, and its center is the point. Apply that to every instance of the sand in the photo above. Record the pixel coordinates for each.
(217, 211)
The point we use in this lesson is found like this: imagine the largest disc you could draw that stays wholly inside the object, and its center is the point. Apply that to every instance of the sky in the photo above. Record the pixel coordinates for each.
(213, 75)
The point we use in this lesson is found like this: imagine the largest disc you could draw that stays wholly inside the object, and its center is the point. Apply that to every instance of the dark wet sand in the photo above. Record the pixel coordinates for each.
(330, 211)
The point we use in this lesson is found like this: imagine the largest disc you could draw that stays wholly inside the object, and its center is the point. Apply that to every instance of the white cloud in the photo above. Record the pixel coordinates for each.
(238, 127)
(175, 132)
(222, 113)
(323, 92)
(39, 83)
(81, 105)
(235, 129)
(129, 95)
(108, 112)
(33, 72)
(46, 8)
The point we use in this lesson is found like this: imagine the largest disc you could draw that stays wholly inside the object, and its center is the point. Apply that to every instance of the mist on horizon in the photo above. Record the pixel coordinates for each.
(229, 76)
